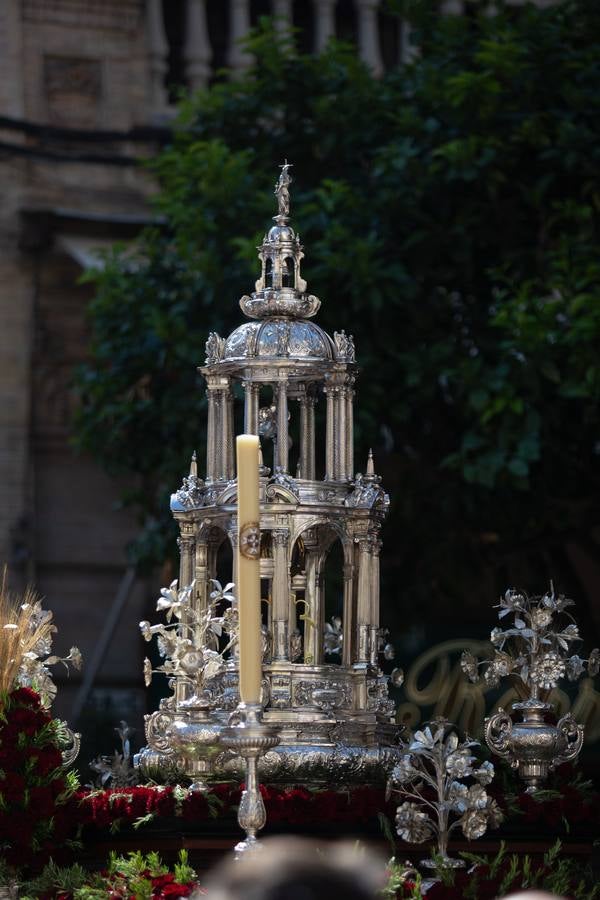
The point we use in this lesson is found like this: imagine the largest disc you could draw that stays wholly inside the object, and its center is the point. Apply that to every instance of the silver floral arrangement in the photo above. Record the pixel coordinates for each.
(189, 641)
(431, 776)
(537, 647)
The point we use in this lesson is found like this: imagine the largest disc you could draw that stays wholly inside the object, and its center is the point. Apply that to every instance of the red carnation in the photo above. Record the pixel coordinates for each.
(25, 695)
(47, 759)
(175, 890)
(41, 801)
(22, 721)
(10, 758)
(13, 787)
(162, 880)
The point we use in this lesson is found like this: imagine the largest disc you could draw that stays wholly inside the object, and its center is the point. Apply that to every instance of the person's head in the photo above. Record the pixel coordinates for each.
(533, 895)
(299, 869)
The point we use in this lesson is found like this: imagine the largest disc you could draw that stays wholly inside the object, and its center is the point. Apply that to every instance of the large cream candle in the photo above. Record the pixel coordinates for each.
(248, 571)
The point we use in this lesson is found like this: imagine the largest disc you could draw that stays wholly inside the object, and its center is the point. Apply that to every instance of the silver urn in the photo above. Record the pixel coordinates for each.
(533, 746)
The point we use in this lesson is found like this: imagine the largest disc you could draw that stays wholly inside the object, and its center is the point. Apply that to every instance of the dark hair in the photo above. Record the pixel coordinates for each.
(299, 869)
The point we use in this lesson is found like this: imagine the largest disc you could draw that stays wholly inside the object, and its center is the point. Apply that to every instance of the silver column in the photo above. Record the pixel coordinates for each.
(363, 606)
(329, 436)
(350, 430)
(211, 433)
(374, 617)
(280, 595)
(229, 443)
(251, 398)
(348, 616)
(282, 425)
(342, 433)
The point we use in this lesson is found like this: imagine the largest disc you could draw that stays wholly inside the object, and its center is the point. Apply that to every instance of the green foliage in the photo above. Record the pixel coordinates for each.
(450, 217)
(129, 875)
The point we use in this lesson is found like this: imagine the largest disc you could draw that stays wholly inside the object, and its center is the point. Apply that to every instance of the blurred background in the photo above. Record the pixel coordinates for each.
(447, 190)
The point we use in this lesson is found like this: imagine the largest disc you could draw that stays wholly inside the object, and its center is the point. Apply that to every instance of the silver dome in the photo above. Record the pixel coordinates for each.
(279, 339)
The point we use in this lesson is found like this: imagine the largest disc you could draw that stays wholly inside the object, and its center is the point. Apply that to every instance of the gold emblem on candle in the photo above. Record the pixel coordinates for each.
(250, 540)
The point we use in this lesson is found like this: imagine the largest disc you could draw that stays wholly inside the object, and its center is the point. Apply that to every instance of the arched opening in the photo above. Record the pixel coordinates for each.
(287, 272)
(222, 569)
(317, 581)
(269, 273)
(266, 578)
(332, 576)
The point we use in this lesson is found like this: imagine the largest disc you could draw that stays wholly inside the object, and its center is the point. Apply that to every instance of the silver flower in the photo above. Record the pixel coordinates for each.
(404, 770)
(594, 662)
(333, 636)
(485, 773)
(494, 813)
(502, 663)
(540, 617)
(75, 658)
(389, 652)
(491, 676)
(458, 764)
(412, 824)
(468, 664)
(474, 824)
(397, 677)
(146, 630)
(477, 797)
(496, 636)
(574, 668)
(147, 672)
(423, 740)
(546, 670)
(457, 796)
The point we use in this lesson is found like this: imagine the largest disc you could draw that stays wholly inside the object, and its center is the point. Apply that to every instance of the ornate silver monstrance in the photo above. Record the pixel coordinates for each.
(333, 713)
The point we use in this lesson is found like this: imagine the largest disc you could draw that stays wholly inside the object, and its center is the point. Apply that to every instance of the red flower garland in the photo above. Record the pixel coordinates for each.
(290, 806)
(33, 788)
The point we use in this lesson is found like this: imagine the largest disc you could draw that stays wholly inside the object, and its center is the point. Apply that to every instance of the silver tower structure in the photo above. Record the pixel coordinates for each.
(332, 710)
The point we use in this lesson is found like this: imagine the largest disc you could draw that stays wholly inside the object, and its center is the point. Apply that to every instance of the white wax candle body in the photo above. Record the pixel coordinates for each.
(248, 571)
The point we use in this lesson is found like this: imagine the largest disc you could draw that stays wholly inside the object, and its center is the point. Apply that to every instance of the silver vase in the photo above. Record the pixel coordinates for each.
(533, 746)
(195, 736)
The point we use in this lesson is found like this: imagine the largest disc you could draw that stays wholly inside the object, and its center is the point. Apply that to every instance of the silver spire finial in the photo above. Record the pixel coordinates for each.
(282, 192)
(193, 466)
(370, 464)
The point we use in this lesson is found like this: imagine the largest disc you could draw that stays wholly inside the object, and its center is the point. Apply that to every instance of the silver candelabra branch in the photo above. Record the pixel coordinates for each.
(536, 650)
(247, 736)
(430, 776)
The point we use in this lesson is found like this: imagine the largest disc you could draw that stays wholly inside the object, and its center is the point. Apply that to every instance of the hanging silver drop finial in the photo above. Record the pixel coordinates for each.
(193, 466)
(282, 192)
(370, 463)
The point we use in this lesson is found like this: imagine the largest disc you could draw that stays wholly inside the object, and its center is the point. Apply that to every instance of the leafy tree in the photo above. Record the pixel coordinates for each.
(450, 213)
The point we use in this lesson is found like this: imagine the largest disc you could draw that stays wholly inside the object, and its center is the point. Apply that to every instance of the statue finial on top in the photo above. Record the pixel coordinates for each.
(282, 191)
